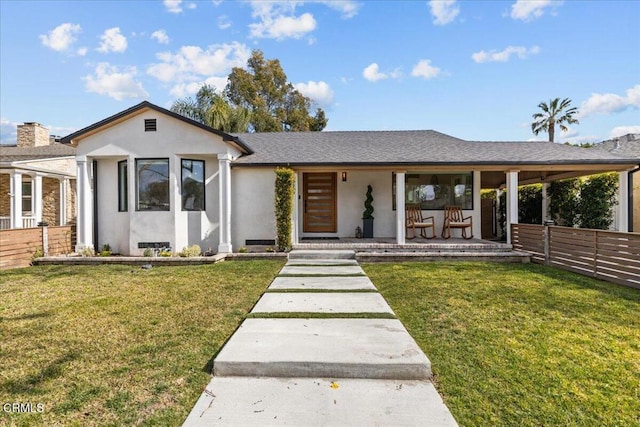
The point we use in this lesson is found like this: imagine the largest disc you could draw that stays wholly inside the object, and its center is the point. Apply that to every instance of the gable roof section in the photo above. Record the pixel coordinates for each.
(627, 145)
(17, 154)
(425, 148)
(139, 108)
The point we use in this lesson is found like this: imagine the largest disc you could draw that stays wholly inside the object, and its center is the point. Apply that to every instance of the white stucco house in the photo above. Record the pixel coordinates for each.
(148, 177)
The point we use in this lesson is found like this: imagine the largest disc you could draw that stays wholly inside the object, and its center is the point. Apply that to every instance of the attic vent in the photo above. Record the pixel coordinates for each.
(150, 125)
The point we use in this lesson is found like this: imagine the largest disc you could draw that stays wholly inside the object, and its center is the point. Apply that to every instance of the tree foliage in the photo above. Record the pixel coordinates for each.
(212, 109)
(597, 197)
(555, 113)
(275, 105)
(563, 201)
(530, 204)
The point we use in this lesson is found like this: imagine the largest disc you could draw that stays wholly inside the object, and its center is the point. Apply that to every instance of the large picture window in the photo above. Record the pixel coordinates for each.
(192, 185)
(152, 184)
(434, 191)
(123, 193)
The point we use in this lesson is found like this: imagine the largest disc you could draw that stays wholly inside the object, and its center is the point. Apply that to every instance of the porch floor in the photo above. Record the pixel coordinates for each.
(418, 244)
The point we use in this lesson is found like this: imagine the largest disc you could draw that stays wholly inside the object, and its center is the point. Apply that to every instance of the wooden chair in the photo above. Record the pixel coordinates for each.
(414, 219)
(453, 218)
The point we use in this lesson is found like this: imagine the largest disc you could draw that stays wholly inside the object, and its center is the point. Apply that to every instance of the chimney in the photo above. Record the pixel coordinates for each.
(32, 134)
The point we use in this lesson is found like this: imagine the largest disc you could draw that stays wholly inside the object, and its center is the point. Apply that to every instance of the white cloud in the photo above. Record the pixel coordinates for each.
(528, 10)
(191, 6)
(373, 74)
(112, 41)
(320, 92)
(161, 36)
(610, 102)
(504, 55)
(82, 51)
(61, 37)
(223, 22)
(348, 8)
(110, 81)
(8, 131)
(191, 66)
(443, 11)
(623, 130)
(282, 27)
(425, 69)
(216, 3)
(173, 6)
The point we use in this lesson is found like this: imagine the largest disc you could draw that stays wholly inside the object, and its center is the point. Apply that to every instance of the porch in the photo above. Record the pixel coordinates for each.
(386, 249)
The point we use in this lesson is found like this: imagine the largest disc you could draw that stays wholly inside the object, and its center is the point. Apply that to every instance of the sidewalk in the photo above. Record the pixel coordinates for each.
(322, 347)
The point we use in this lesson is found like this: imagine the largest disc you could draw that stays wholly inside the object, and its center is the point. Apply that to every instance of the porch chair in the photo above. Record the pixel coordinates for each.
(453, 218)
(414, 219)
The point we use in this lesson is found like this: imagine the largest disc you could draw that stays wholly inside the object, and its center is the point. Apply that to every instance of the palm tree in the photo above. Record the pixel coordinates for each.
(212, 109)
(555, 112)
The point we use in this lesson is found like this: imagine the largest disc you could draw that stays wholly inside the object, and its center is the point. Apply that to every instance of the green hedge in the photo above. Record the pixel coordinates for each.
(284, 191)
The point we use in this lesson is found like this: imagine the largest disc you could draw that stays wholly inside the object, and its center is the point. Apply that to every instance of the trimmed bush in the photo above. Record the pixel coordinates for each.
(530, 204)
(597, 198)
(283, 204)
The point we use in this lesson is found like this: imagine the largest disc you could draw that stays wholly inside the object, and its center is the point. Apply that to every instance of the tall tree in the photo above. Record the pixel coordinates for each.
(554, 113)
(274, 103)
(212, 109)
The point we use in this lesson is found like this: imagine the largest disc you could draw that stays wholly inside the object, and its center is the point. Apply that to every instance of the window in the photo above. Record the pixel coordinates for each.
(150, 125)
(435, 190)
(123, 193)
(192, 185)
(27, 197)
(152, 184)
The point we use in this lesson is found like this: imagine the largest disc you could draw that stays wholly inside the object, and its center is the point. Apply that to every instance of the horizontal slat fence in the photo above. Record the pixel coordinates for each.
(17, 246)
(607, 255)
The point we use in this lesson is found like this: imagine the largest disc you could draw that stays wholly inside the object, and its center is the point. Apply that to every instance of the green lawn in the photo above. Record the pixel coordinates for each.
(522, 345)
(118, 345)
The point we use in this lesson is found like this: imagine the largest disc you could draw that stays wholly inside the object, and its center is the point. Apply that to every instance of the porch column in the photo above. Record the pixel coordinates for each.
(623, 201)
(224, 172)
(16, 199)
(63, 200)
(36, 195)
(85, 205)
(545, 202)
(512, 201)
(400, 208)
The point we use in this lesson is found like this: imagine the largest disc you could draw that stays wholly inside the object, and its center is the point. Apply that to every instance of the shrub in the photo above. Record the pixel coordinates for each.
(191, 251)
(530, 204)
(87, 251)
(166, 253)
(242, 250)
(38, 253)
(597, 197)
(284, 190)
(106, 250)
(563, 201)
(148, 252)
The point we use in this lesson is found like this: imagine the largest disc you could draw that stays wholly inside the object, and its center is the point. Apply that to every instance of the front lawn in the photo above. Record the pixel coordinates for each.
(522, 344)
(117, 345)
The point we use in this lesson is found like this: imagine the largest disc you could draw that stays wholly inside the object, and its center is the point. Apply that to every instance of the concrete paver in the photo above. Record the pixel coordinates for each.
(323, 254)
(341, 348)
(322, 270)
(323, 283)
(312, 302)
(235, 401)
(323, 262)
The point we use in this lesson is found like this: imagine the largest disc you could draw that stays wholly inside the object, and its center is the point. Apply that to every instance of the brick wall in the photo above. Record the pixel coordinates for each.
(32, 135)
(5, 198)
(51, 201)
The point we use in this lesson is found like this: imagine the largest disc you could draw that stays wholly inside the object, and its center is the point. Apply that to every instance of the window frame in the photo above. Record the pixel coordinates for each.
(123, 186)
(470, 174)
(29, 197)
(146, 159)
(204, 193)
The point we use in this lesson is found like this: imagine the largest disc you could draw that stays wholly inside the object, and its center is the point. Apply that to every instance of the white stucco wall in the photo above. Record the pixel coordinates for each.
(252, 211)
(175, 140)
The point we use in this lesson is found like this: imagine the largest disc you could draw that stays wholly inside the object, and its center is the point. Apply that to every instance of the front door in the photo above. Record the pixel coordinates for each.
(319, 198)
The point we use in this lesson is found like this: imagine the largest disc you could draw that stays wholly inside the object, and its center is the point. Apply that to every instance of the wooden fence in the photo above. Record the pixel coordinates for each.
(607, 255)
(17, 246)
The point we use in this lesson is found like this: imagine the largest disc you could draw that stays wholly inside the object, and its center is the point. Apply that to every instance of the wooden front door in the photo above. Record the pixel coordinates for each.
(319, 198)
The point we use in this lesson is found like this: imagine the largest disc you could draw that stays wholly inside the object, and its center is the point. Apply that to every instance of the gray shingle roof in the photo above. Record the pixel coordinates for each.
(425, 147)
(15, 154)
(627, 145)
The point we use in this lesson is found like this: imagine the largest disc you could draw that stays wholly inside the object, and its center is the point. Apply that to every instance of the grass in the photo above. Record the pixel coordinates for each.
(522, 344)
(118, 345)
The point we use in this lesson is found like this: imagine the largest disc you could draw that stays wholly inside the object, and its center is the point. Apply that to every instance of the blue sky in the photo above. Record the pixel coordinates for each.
(472, 69)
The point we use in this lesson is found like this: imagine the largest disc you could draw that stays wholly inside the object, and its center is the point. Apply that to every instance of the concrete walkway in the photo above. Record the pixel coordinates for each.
(345, 361)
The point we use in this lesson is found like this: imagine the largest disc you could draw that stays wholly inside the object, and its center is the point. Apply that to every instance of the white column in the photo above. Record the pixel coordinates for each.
(512, 201)
(623, 201)
(295, 239)
(400, 209)
(85, 205)
(545, 202)
(16, 200)
(36, 197)
(63, 200)
(224, 172)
